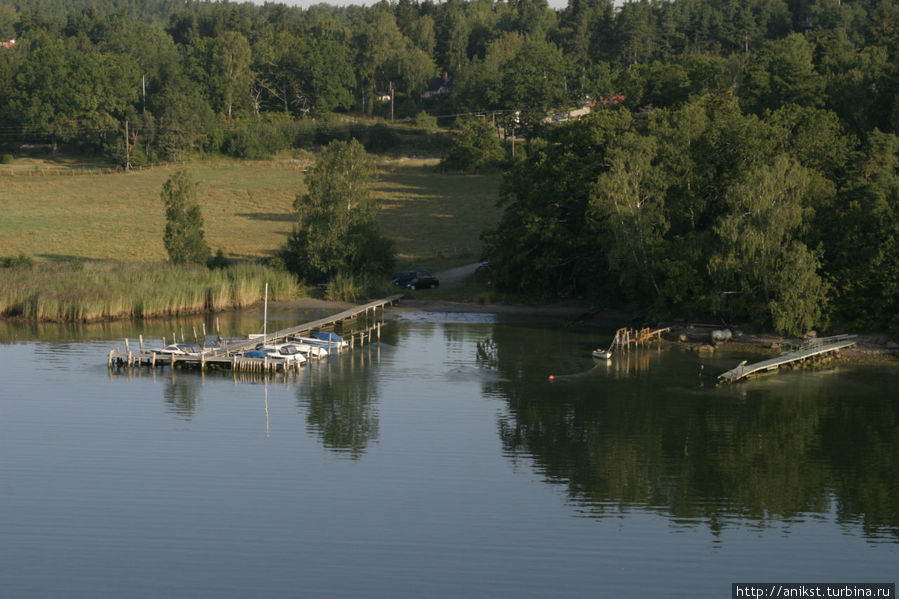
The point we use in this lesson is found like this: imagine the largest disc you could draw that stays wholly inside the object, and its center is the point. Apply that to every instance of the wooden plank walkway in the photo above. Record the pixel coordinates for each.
(804, 351)
(228, 357)
(308, 327)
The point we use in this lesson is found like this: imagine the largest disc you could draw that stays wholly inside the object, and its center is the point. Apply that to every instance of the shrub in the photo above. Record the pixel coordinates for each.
(6, 159)
(380, 138)
(426, 121)
(475, 146)
(20, 261)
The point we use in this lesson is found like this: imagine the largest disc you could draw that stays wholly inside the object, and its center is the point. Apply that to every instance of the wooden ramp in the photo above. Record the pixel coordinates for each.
(796, 353)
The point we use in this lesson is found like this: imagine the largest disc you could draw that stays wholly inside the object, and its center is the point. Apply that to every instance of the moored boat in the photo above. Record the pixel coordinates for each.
(602, 354)
(180, 349)
(324, 339)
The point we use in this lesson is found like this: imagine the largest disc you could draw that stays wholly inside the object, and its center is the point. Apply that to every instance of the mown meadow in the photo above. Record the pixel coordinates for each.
(56, 211)
(94, 237)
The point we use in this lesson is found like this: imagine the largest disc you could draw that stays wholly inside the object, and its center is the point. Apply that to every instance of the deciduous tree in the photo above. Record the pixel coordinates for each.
(335, 229)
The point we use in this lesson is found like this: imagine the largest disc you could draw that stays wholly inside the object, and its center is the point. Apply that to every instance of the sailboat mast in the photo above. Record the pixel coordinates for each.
(265, 318)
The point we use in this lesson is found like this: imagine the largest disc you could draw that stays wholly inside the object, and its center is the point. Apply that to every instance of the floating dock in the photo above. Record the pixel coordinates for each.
(795, 353)
(229, 354)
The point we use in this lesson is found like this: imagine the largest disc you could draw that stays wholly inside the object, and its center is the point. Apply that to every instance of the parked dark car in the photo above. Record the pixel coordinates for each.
(416, 279)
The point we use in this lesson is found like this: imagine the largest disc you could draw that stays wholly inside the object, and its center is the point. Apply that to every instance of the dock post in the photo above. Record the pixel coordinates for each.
(127, 349)
(173, 363)
(141, 340)
(153, 360)
(109, 359)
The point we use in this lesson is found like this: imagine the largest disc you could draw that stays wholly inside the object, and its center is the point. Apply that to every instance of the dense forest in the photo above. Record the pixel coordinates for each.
(739, 157)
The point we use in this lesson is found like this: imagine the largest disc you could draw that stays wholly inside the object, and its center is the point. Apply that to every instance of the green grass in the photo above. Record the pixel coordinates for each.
(56, 211)
(95, 234)
(435, 218)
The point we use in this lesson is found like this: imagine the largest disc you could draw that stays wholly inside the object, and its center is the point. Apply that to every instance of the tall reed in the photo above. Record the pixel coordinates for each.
(352, 288)
(76, 292)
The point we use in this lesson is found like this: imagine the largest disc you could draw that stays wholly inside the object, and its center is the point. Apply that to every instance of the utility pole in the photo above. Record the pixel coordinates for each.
(127, 148)
(391, 101)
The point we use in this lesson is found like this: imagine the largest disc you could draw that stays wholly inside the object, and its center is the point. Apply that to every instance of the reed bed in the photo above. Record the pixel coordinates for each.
(354, 288)
(86, 292)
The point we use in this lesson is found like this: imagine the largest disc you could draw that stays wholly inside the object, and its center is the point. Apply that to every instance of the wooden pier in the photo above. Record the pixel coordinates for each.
(794, 353)
(315, 325)
(626, 337)
(228, 356)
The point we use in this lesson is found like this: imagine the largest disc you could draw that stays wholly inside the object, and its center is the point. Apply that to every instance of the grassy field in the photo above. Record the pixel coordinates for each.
(56, 209)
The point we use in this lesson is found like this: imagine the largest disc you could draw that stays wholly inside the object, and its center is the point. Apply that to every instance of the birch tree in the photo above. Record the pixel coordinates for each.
(335, 229)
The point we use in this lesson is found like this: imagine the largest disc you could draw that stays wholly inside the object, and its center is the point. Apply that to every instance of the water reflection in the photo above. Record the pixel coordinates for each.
(180, 396)
(340, 402)
(648, 430)
(642, 432)
(192, 327)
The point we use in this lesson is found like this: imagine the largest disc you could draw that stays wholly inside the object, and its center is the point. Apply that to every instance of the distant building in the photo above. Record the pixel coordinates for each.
(572, 114)
(613, 100)
(8, 44)
(439, 86)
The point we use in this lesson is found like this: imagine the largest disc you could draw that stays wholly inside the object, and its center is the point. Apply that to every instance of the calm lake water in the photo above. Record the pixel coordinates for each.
(441, 462)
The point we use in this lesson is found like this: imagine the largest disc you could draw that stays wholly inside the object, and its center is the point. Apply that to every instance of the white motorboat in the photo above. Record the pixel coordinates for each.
(180, 349)
(310, 351)
(602, 354)
(287, 352)
(327, 340)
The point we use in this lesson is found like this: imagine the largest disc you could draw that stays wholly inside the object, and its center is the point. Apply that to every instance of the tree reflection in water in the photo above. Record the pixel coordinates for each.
(340, 402)
(180, 396)
(640, 432)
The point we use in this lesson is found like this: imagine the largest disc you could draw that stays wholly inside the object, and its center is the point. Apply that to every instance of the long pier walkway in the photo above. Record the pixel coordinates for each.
(795, 353)
(229, 355)
(308, 327)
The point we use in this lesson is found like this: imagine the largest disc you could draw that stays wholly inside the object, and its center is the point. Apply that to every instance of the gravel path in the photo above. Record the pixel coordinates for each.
(455, 276)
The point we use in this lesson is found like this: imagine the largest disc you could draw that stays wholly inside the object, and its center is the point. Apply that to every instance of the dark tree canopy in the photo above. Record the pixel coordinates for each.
(739, 160)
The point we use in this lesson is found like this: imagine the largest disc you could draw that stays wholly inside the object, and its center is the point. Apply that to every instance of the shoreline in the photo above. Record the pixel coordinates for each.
(870, 348)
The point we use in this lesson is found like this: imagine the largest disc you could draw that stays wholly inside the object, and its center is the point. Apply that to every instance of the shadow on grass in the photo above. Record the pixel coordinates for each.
(64, 258)
(269, 216)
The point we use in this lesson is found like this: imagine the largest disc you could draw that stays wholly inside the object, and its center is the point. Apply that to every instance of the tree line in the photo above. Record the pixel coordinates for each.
(223, 76)
(780, 220)
(740, 159)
